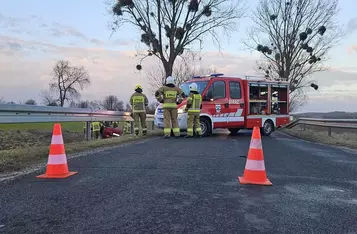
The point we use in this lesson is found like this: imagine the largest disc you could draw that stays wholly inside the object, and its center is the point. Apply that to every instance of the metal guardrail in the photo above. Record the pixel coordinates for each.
(327, 123)
(14, 113)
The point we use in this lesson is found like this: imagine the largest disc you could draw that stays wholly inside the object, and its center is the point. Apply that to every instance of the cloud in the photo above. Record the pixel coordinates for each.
(26, 65)
(96, 41)
(29, 24)
(122, 43)
(14, 46)
(112, 72)
(11, 22)
(352, 25)
(352, 49)
(64, 30)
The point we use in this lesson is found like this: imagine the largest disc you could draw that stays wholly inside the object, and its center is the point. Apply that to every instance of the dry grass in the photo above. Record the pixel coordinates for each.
(339, 137)
(13, 136)
(22, 145)
(20, 158)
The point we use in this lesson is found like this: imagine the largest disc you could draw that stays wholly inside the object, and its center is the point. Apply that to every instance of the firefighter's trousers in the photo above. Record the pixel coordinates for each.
(193, 122)
(170, 117)
(139, 116)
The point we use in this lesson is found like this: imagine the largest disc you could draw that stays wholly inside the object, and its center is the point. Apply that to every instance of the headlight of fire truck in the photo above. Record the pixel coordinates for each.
(181, 110)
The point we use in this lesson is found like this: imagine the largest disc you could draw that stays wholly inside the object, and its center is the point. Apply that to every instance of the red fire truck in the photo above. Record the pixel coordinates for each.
(236, 103)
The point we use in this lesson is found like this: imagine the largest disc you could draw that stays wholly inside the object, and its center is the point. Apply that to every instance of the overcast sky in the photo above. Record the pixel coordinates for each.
(35, 34)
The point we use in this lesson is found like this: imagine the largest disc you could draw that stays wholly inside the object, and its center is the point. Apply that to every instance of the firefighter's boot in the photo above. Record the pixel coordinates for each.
(145, 132)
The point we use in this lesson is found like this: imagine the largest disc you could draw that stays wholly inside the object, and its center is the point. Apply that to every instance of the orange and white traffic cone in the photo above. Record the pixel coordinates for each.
(254, 172)
(57, 160)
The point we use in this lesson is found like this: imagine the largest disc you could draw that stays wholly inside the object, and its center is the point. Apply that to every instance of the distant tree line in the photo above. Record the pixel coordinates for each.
(110, 102)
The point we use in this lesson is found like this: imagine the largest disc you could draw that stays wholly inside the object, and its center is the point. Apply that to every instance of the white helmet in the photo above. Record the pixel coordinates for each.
(170, 80)
(193, 87)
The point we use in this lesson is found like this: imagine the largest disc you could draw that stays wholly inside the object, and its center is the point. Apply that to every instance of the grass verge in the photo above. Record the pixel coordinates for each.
(21, 158)
(26, 135)
(338, 139)
(66, 126)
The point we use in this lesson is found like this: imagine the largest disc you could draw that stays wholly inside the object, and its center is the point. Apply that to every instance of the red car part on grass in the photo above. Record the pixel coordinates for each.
(108, 132)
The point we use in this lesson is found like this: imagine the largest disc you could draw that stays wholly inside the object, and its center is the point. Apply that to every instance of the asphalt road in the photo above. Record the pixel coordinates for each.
(190, 186)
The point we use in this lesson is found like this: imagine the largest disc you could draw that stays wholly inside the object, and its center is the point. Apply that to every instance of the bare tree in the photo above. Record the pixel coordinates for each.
(67, 80)
(80, 104)
(73, 104)
(47, 98)
(2, 100)
(169, 27)
(112, 103)
(83, 104)
(290, 34)
(30, 102)
(297, 99)
(95, 105)
(184, 69)
(127, 107)
(151, 108)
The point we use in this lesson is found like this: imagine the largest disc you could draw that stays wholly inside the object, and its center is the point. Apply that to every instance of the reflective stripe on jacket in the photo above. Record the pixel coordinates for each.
(168, 96)
(96, 126)
(138, 102)
(194, 102)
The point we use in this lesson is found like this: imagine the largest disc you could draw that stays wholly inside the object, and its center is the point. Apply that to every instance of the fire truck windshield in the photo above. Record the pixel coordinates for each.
(200, 84)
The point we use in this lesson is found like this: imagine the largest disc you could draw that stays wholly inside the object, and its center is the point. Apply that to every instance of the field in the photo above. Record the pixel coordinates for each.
(339, 137)
(14, 136)
(22, 145)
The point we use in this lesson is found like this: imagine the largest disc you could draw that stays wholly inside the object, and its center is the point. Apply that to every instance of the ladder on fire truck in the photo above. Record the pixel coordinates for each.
(247, 77)
(221, 74)
(264, 78)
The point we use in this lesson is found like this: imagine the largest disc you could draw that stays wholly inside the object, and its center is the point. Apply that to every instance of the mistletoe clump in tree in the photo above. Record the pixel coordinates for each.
(294, 37)
(169, 27)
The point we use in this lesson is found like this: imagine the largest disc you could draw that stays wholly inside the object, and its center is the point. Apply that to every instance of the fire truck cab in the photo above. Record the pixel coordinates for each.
(236, 103)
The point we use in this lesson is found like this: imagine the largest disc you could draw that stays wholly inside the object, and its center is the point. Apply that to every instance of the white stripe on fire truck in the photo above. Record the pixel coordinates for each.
(239, 112)
(231, 119)
(225, 115)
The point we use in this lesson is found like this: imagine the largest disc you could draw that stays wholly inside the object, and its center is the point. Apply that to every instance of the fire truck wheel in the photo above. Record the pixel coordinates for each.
(205, 126)
(267, 128)
(233, 131)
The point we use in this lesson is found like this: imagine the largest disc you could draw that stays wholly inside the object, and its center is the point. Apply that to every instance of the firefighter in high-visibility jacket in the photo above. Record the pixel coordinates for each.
(193, 108)
(170, 95)
(139, 102)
